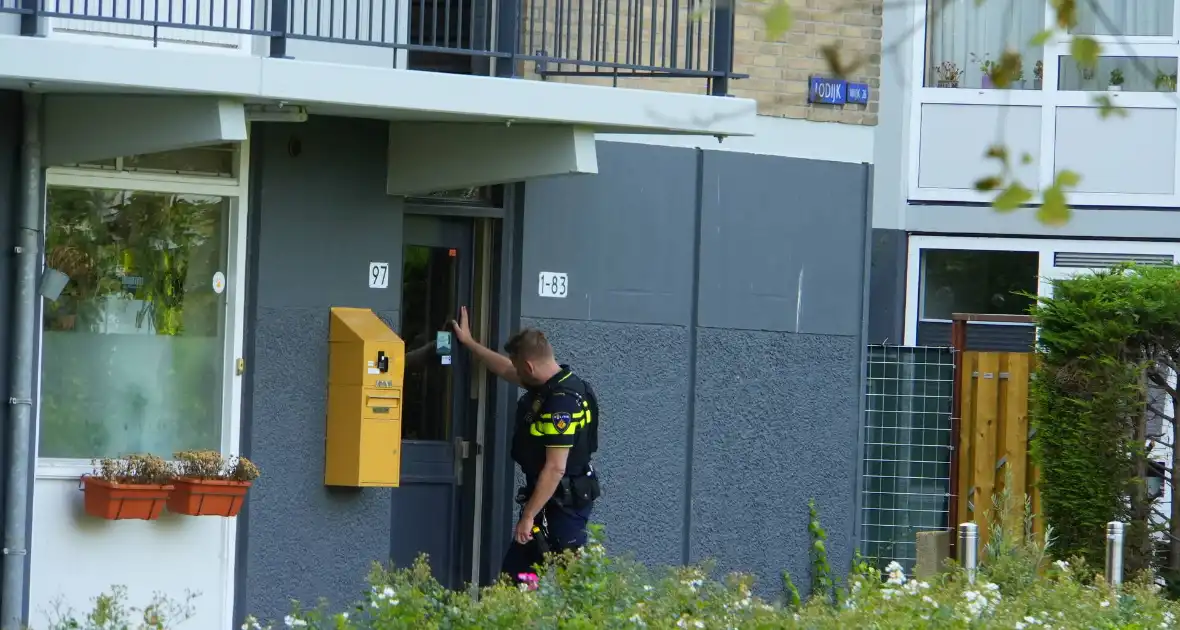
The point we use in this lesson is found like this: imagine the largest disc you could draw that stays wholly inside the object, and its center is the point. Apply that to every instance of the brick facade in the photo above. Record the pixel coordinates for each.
(778, 71)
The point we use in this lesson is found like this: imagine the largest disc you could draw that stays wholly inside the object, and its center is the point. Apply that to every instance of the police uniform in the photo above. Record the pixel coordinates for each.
(559, 414)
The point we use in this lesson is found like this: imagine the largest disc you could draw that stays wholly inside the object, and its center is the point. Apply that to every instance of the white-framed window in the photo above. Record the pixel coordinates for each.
(139, 353)
(970, 274)
(1048, 119)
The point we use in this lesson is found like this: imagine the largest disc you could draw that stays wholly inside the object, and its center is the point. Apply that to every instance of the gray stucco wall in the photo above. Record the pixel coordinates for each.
(717, 308)
(320, 215)
(887, 281)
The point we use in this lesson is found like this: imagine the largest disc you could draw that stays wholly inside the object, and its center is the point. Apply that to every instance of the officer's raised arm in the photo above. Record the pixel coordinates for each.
(499, 364)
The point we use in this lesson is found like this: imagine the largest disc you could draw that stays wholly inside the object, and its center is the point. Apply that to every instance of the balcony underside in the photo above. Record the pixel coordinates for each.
(51, 65)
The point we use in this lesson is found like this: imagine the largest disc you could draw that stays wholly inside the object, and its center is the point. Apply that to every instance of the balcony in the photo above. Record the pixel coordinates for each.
(634, 43)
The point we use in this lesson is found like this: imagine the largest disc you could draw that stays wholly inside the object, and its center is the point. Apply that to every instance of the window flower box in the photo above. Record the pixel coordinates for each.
(207, 484)
(136, 487)
(208, 497)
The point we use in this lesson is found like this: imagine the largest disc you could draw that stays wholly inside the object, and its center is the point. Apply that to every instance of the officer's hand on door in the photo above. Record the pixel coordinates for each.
(462, 328)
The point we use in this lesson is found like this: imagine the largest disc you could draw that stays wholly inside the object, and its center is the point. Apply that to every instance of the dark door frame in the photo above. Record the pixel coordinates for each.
(441, 462)
(499, 477)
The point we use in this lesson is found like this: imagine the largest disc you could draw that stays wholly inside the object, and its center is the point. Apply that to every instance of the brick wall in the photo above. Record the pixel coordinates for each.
(778, 71)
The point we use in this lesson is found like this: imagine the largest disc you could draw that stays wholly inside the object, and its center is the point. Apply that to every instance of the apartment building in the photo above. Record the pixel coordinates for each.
(938, 246)
(646, 182)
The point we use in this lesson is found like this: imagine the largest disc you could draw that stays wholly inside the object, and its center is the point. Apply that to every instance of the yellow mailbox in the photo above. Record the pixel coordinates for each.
(366, 364)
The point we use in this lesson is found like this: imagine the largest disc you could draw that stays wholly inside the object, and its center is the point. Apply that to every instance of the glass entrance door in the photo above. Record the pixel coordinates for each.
(431, 511)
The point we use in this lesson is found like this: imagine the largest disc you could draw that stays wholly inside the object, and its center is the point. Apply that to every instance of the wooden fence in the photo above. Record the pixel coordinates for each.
(993, 439)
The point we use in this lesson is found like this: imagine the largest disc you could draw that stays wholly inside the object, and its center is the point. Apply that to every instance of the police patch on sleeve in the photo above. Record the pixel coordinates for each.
(562, 421)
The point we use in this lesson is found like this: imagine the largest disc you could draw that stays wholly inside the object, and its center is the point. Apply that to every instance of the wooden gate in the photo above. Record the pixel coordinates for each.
(993, 438)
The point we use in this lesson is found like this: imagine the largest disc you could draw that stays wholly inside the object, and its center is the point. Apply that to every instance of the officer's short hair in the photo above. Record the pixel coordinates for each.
(528, 344)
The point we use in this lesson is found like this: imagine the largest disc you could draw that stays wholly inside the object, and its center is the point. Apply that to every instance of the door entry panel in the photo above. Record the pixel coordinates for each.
(429, 515)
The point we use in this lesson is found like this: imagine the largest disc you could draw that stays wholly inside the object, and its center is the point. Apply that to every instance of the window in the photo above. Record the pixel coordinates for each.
(133, 350)
(214, 160)
(1127, 74)
(964, 281)
(1114, 18)
(964, 37)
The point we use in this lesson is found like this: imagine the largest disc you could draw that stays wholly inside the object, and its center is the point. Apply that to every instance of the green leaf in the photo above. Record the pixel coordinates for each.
(1012, 197)
(997, 152)
(778, 19)
(1066, 12)
(1107, 108)
(1026, 158)
(988, 183)
(1054, 211)
(1067, 179)
(1085, 51)
(1040, 39)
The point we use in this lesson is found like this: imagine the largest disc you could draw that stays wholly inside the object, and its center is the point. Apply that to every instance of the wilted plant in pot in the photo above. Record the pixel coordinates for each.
(131, 487)
(209, 485)
(948, 74)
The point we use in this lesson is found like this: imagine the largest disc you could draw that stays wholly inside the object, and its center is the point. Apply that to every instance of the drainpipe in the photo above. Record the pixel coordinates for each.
(23, 362)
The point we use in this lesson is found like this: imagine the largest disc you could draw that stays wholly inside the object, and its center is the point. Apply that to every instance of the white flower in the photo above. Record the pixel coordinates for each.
(991, 587)
(970, 595)
(1062, 564)
(1104, 603)
(647, 587)
(1020, 625)
(388, 592)
(929, 600)
(292, 622)
(637, 620)
(1032, 621)
(1168, 616)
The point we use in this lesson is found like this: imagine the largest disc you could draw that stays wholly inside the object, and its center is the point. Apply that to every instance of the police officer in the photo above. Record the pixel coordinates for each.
(555, 435)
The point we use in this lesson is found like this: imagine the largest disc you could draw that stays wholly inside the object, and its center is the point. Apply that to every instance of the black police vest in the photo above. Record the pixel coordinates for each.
(529, 452)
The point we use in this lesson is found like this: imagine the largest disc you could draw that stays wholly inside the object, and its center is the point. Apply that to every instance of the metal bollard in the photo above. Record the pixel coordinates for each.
(1115, 532)
(969, 549)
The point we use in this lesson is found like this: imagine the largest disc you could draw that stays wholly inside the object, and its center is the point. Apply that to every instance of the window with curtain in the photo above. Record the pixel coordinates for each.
(1126, 74)
(964, 37)
(133, 350)
(1142, 18)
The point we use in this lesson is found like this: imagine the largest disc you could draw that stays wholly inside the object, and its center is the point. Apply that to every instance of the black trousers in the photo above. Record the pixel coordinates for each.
(567, 530)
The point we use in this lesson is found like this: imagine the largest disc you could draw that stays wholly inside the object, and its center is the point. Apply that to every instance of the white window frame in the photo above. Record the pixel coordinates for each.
(1049, 99)
(1045, 248)
(234, 189)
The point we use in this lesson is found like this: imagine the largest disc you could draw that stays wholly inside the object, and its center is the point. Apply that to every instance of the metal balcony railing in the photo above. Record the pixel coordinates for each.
(607, 39)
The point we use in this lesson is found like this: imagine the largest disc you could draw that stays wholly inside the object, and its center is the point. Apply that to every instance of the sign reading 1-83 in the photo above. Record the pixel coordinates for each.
(553, 284)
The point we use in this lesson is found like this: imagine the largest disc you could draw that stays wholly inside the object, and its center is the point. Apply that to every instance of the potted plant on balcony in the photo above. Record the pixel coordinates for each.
(207, 484)
(1038, 74)
(948, 75)
(132, 487)
(987, 67)
(1165, 82)
(1116, 80)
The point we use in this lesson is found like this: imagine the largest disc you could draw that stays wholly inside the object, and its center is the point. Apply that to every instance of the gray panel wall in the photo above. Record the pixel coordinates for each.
(716, 304)
(321, 216)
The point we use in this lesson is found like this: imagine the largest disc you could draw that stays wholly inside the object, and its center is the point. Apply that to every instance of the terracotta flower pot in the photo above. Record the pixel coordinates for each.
(208, 497)
(120, 501)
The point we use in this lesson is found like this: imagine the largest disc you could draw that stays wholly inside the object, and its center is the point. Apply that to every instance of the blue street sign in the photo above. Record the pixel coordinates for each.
(858, 93)
(824, 90)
